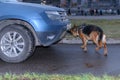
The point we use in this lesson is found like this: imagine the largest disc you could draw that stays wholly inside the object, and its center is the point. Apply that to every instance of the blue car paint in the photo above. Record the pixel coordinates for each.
(35, 15)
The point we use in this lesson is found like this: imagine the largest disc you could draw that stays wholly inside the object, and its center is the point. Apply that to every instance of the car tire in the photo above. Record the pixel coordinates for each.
(16, 43)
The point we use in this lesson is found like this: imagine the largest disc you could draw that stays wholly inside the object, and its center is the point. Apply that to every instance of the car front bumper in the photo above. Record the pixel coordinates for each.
(48, 38)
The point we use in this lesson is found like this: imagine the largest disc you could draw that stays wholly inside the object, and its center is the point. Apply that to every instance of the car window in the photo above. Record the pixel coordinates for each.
(8, 0)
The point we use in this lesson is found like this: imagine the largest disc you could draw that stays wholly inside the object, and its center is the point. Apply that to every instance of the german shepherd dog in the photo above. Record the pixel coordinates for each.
(90, 32)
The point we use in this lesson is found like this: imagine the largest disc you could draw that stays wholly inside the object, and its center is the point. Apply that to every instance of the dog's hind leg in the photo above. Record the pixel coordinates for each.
(105, 45)
(105, 49)
(98, 46)
(94, 37)
(101, 44)
(95, 40)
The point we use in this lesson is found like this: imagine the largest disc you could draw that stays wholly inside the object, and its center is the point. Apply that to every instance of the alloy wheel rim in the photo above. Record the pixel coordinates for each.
(12, 44)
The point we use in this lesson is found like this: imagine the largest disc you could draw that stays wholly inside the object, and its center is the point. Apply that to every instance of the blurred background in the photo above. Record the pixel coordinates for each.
(84, 7)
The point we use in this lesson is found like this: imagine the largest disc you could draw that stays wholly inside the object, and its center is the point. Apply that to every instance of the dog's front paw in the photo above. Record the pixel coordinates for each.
(105, 54)
(82, 46)
(85, 49)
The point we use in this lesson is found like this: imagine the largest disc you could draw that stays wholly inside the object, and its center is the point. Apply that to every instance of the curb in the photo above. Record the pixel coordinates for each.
(78, 41)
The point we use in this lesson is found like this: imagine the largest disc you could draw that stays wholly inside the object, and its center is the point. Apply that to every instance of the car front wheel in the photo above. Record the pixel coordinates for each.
(16, 44)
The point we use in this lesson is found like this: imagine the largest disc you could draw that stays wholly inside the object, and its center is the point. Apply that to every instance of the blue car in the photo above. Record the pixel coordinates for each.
(23, 26)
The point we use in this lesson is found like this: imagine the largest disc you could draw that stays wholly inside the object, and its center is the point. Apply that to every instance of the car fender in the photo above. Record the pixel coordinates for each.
(31, 26)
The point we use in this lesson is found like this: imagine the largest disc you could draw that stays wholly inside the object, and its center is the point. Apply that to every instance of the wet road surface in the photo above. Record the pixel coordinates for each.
(68, 59)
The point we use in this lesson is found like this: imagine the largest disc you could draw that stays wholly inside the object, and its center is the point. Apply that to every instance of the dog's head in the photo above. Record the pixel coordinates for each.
(74, 30)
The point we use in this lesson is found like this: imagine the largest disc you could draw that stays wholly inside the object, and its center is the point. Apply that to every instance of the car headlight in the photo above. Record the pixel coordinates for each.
(54, 15)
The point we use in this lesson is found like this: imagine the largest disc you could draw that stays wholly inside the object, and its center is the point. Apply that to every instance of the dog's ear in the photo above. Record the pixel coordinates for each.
(74, 25)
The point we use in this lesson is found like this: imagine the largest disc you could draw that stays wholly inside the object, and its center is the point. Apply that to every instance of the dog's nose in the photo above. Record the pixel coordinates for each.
(68, 31)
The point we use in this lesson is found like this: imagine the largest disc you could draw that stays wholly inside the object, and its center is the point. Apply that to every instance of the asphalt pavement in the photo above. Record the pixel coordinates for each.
(68, 59)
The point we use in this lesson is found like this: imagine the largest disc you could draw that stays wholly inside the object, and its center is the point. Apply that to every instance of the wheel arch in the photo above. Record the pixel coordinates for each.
(25, 23)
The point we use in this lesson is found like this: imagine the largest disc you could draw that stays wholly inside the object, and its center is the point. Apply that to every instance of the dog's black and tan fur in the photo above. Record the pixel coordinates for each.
(90, 32)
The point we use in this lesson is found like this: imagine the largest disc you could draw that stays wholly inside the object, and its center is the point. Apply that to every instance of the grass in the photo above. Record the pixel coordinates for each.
(110, 27)
(35, 76)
